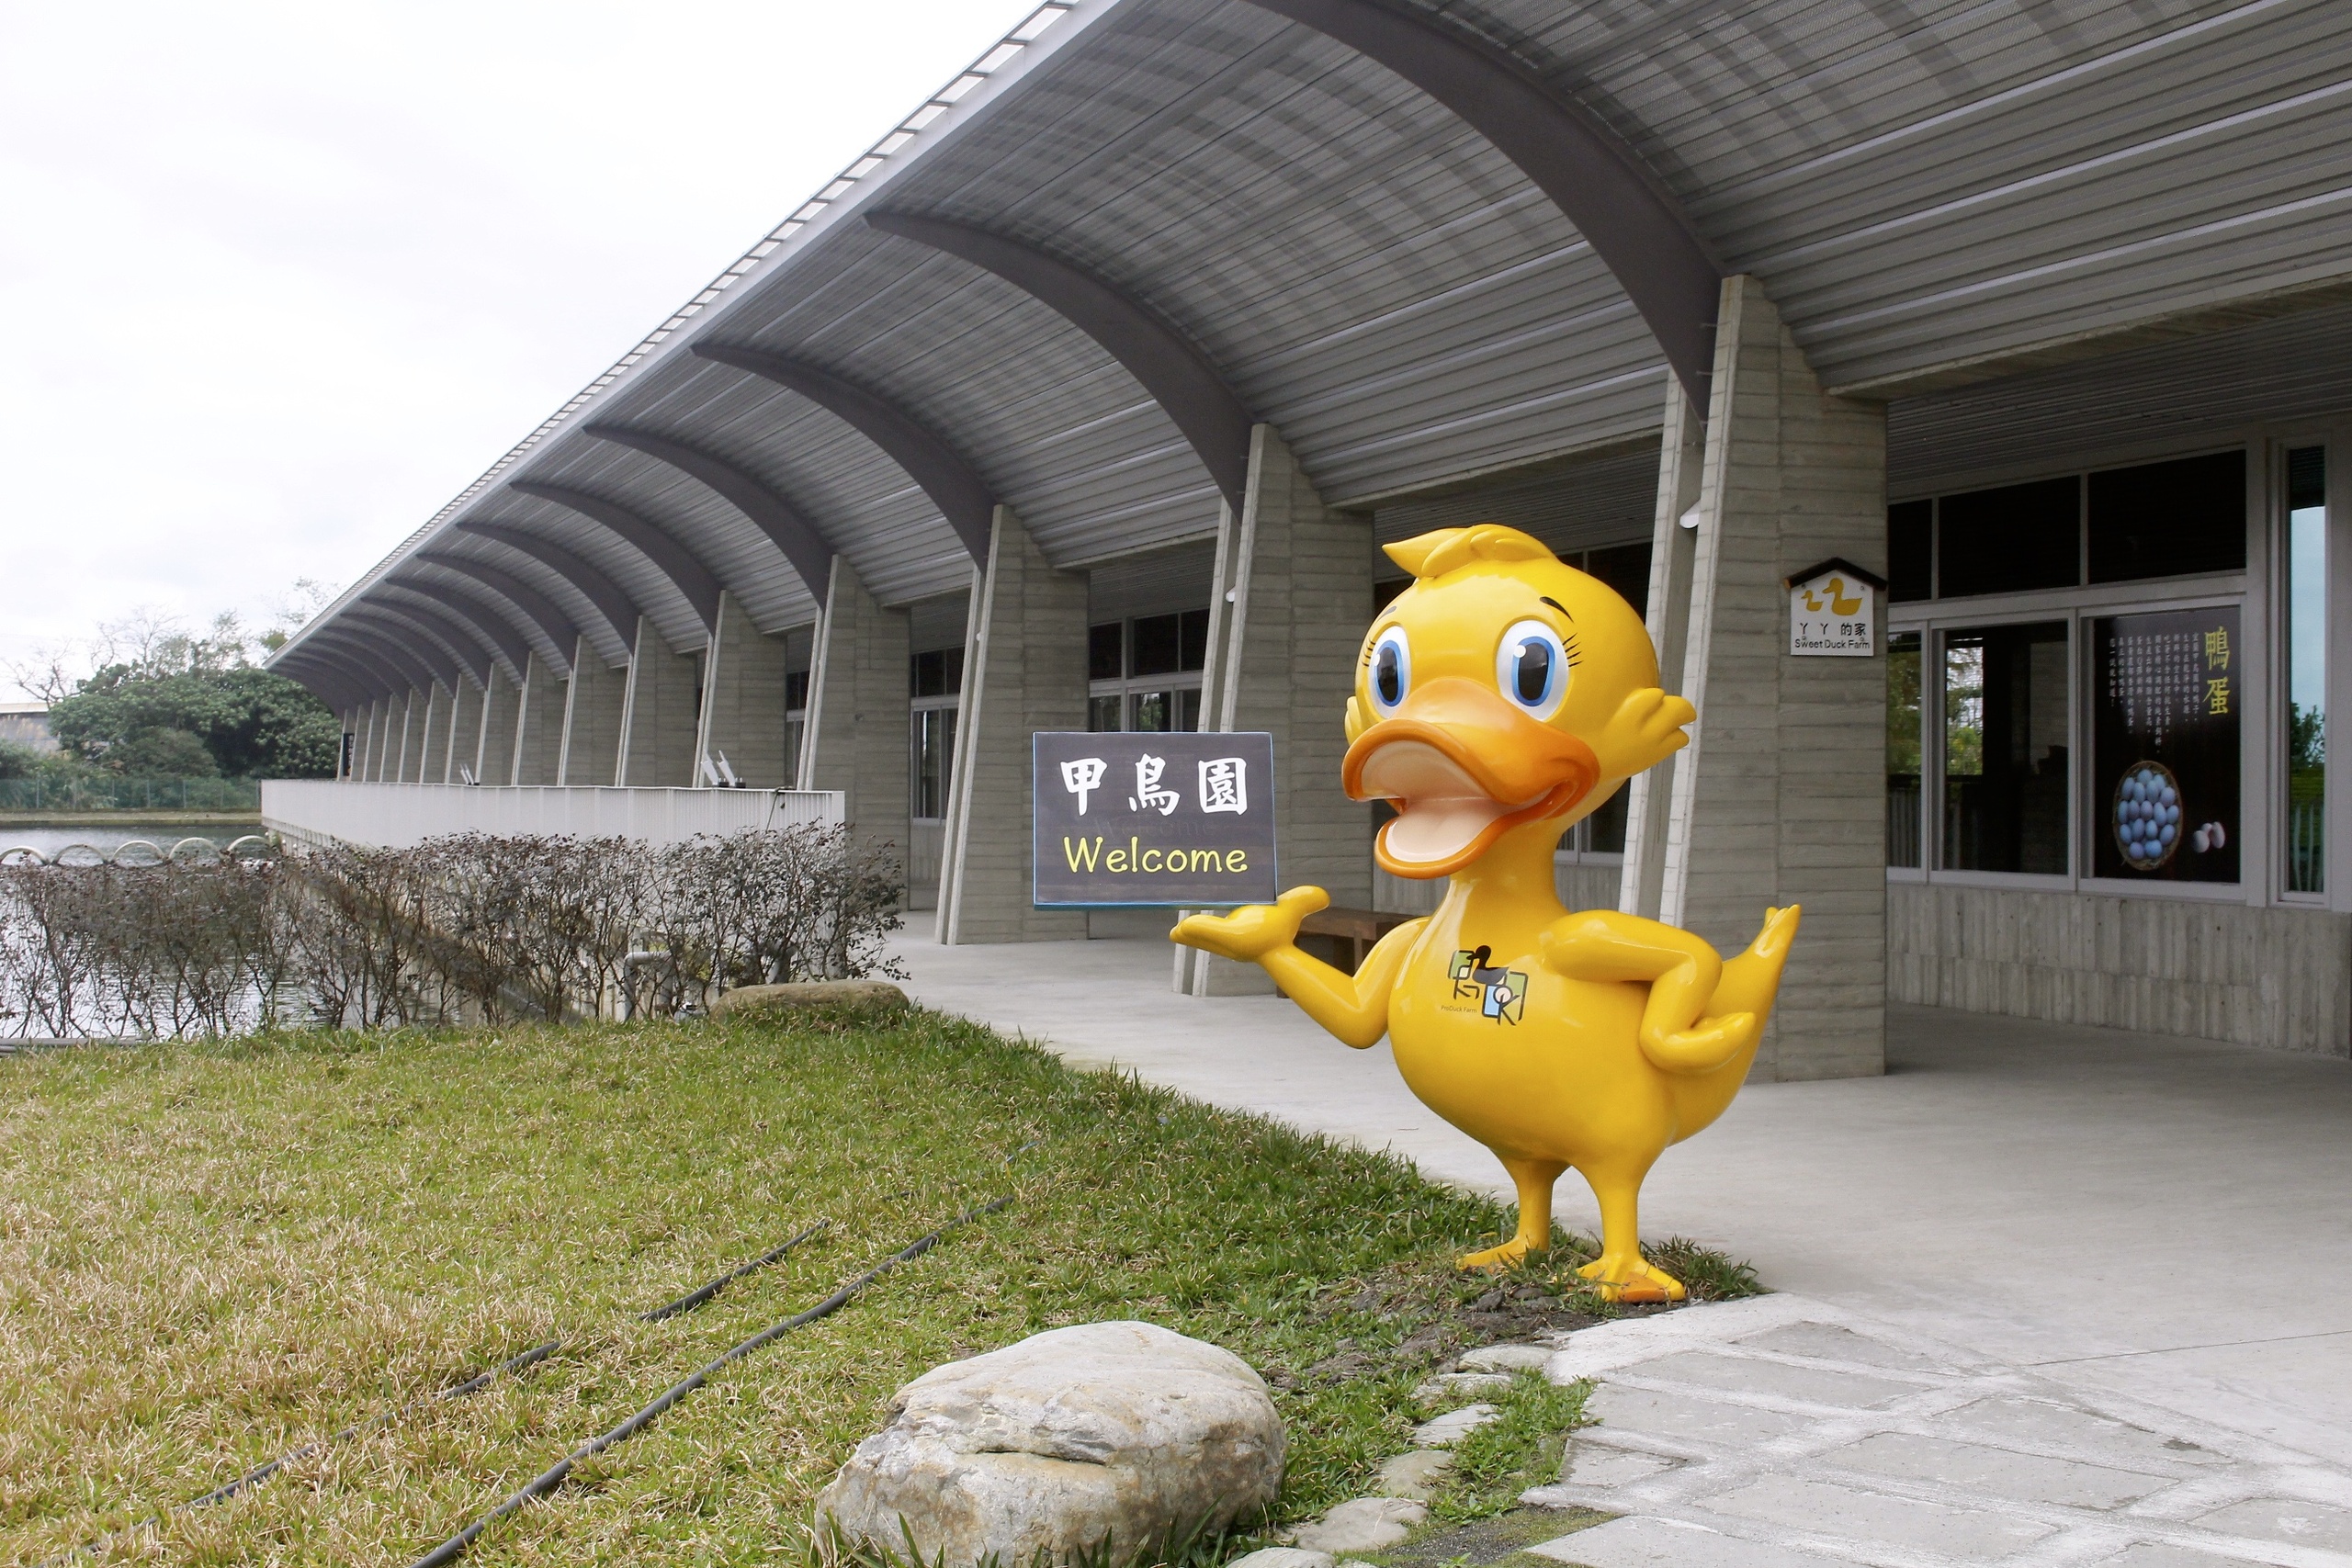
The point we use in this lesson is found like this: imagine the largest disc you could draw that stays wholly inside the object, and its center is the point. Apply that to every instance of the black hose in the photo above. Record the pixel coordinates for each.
(452, 1549)
(531, 1357)
(535, 1354)
(694, 1299)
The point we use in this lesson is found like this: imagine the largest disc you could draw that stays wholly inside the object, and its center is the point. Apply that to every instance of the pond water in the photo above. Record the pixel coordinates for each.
(108, 839)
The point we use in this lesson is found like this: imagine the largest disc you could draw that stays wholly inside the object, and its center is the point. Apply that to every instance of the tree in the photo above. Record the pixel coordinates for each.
(165, 703)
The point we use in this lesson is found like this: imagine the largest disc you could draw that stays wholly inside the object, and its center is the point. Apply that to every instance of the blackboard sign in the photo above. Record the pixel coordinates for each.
(1178, 819)
(2167, 689)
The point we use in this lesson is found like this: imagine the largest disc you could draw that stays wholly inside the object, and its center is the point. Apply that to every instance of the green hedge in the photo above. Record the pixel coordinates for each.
(103, 794)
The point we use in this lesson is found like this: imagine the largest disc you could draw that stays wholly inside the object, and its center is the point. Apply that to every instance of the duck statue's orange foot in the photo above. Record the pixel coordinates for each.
(1500, 699)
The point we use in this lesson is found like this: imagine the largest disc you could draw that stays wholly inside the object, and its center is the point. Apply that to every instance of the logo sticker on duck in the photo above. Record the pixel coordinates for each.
(1500, 994)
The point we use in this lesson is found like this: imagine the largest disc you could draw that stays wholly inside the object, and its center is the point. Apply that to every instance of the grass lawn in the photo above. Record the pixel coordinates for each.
(209, 1255)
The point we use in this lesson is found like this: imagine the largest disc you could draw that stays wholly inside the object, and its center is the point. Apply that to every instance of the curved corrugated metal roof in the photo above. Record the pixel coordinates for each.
(1929, 192)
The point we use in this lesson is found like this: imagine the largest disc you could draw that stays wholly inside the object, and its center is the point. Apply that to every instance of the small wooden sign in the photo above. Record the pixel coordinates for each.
(1180, 820)
(1833, 611)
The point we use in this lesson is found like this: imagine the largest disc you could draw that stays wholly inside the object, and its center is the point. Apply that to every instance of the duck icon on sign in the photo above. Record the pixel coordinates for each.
(1833, 611)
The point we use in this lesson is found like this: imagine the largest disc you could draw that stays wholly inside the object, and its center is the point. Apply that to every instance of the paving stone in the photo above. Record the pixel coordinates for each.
(1364, 1524)
(2284, 1518)
(1452, 1385)
(1282, 1557)
(1832, 1342)
(2027, 1478)
(1454, 1426)
(1641, 1542)
(1741, 1374)
(1415, 1475)
(2047, 1424)
(2154, 1554)
(1820, 1507)
(1597, 1465)
(1687, 1417)
(1507, 1358)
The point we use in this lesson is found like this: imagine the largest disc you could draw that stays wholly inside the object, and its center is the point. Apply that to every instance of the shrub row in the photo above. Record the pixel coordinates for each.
(468, 926)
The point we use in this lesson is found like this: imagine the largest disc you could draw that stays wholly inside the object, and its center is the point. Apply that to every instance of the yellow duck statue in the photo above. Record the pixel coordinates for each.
(1501, 698)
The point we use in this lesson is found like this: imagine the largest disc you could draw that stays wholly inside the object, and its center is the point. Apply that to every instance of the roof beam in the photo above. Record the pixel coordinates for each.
(371, 643)
(481, 620)
(770, 513)
(611, 602)
(415, 639)
(544, 612)
(1176, 375)
(367, 674)
(673, 560)
(1633, 223)
(475, 649)
(952, 483)
(333, 683)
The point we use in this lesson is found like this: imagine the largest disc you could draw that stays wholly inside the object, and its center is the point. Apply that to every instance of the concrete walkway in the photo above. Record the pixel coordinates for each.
(2146, 1231)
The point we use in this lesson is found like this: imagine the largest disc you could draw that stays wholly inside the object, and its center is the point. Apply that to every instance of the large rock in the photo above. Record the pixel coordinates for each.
(1122, 1431)
(861, 996)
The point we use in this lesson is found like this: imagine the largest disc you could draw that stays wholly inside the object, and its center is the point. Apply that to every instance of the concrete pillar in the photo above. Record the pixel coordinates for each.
(658, 720)
(857, 738)
(371, 717)
(1780, 797)
(742, 700)
(1024, 670)
(464, 734)
(408, 767)
(538, 724)
(501, 704)
(379, 738)
(1293, 599)
(1673, 549)
(432, 759)
(590, 750)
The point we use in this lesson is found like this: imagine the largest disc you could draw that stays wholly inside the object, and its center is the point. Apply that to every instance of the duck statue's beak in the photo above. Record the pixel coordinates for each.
(1462, 768)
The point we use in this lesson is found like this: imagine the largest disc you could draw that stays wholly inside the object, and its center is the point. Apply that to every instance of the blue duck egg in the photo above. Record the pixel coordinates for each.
(2168, 794)
(2164, 833)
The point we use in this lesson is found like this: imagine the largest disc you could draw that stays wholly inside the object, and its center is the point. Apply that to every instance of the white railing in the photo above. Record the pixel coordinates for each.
(394, 816)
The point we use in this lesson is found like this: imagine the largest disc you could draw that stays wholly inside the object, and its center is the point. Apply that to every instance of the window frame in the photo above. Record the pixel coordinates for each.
(1127, 687)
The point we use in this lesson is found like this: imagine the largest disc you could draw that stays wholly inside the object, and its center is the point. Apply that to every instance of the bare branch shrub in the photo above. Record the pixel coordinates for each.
(491, 928)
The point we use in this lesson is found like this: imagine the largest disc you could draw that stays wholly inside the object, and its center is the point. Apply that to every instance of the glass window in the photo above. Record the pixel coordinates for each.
(1151, 711)
(1911, 552)
(2010, 539)
(1106, 651)
(1604, 830)
(2306, 668)
(1103, 714)
(2005, 714)
(938, 673)
(1903, 750)
(934, 751)
(2169, 519)
(1626, 568)
(2164, 786)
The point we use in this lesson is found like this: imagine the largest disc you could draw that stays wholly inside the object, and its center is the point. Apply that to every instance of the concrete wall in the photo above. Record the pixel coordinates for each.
(591, 719)
(2279, 979)
(1291, 598)
(1780, 797)
(856, 735)
(1024, 670)
(465, 733)
(538, 724)
(742, 700)
(658, 717)
(409, 766)
(494, 750)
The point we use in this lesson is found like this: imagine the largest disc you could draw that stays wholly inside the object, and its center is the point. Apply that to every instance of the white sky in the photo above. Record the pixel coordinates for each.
(280, 279)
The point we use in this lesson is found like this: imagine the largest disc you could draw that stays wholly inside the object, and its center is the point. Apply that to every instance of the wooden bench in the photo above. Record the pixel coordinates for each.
(1347, 934)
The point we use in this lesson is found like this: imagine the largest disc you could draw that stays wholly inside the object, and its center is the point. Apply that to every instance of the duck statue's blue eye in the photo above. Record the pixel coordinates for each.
(1392, 669)
(1531, 668)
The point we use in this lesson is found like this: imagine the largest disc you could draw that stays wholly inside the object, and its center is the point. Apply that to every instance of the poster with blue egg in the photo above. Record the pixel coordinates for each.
(2164, 746)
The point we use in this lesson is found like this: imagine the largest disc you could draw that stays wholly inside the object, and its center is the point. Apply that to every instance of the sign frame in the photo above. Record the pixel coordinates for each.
(1134, 800)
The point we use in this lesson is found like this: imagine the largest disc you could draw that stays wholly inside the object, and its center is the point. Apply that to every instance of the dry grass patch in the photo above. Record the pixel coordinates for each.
(209, 1255)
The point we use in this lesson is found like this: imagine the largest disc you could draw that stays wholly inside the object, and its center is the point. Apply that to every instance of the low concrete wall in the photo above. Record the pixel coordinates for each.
(386, 816)
(2279, 979)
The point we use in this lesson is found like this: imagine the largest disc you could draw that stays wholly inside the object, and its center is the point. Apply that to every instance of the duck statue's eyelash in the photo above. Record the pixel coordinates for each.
(1568, 648)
